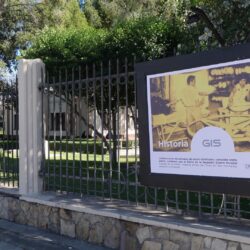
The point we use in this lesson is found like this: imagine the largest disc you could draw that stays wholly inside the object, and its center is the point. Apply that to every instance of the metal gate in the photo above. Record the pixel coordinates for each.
(92, 147)
(9, 148)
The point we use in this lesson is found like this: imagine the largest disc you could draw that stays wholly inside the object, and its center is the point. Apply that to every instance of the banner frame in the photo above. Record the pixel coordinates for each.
(237, 186)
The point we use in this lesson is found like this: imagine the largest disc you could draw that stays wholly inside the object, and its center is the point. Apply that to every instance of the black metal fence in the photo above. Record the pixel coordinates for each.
(9, 148)
(92, 148)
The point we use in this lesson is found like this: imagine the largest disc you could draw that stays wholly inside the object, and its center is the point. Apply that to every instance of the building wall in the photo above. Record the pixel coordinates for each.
(75, 125)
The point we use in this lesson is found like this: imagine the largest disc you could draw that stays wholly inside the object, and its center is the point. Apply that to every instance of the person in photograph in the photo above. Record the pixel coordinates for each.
(239, 97)
(239, 106)
(191, 100)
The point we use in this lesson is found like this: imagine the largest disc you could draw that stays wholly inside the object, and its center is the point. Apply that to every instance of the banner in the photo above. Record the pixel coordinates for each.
(194, 121)
(199, 120)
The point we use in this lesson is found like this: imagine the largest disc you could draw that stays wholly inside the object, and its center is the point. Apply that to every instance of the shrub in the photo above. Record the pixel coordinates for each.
(147, 38)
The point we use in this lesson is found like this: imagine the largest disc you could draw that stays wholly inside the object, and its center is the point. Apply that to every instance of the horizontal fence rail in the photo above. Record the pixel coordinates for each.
(91, 143)
(9, 146)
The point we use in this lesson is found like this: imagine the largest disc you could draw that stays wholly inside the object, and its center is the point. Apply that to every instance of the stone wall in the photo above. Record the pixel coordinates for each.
(114, 233)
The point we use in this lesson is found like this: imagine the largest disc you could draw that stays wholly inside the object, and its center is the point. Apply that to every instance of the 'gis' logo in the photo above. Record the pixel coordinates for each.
(211, 143)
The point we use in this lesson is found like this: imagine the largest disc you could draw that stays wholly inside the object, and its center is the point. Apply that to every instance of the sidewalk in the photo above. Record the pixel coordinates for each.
(20, 237)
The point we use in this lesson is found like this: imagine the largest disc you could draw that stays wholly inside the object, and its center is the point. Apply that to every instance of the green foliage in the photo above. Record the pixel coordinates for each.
(66, 45)
(146, 38)
(109, 13)
(147, 29)
(2, 64)
(22, 20)
(230, 19)
(63, 13)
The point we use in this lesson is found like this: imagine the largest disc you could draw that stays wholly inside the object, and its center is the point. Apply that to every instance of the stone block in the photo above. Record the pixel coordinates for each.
(25, 206)
(197, 243)
(82, 229)
(77, 216)
(168, 245)
(108, 224)
(93, 219)
(245, 246)
(207, 243)
(4, 207)
(131, 227)
(67, 228)
(13, 209)
(218, 244)
(65, 214)
(160, 233)
(43, 220)
(21, 218)
(112, 238)
(112, 231)
(143, 233)
(233, 246)
(54, 220)
(128, 242)
(32, 216)
(96, 233)
(182, 239)
(151, 245)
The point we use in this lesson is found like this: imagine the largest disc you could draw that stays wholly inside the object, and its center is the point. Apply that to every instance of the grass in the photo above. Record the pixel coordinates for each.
(93, 174)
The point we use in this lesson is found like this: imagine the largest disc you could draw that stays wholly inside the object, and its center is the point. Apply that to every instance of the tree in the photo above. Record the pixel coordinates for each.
(22, 20)
(109, 13)
(219, 23)
(146, 38)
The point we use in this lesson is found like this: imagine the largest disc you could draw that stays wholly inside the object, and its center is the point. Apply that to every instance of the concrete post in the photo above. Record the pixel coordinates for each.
(30, 76)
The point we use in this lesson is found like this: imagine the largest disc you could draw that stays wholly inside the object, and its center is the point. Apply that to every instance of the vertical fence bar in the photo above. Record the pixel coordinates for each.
(187, 201)
(17, 133)
(224, 201)
(166, 200)
(87, 111)
(102, 130)
(176, 200)
(2, 135)
(211, 204)
(60, 128)
(48, 132)
(12, 134)
(79, 124)
(54, 132)
(156, 197)
(126, 124)
(4, 131)
(109, 133)
(136, 131)
(146, 195)
(8, 136)
(117, 135)
(73, 124)
(238, 207)
(67, 125)
(199, 203)
(95, 128)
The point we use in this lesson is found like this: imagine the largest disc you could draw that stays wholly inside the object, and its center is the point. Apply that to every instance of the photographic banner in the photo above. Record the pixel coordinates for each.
(194, 121)
(199, 120)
